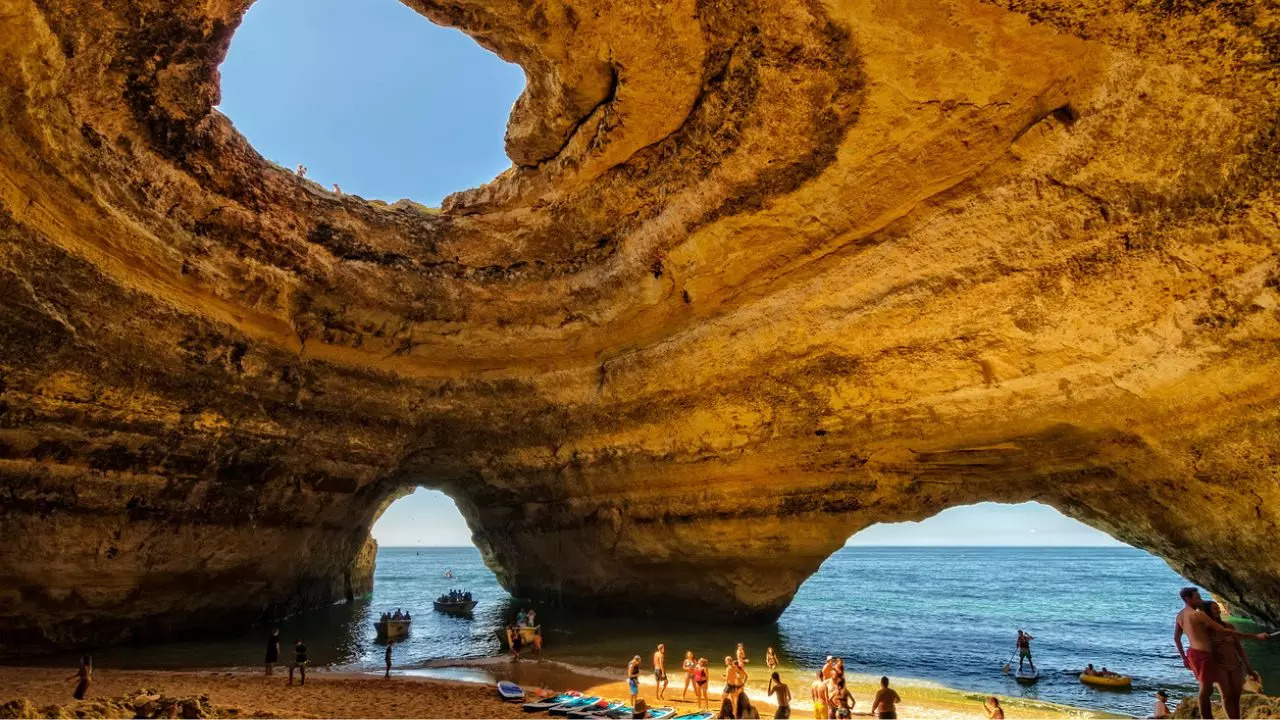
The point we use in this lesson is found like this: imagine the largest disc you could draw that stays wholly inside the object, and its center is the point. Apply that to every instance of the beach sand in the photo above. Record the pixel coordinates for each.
(355, 695)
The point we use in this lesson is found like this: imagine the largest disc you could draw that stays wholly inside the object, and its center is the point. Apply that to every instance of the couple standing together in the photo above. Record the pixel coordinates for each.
(1216, 655)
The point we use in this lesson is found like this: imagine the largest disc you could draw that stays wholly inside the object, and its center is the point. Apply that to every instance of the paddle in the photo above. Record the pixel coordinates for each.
(1008, 664)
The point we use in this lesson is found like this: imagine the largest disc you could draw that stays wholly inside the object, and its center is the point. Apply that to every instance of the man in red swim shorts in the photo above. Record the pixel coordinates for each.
(1197, 625)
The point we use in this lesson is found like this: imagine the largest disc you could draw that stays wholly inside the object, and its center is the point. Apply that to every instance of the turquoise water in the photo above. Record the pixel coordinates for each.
(945, 615)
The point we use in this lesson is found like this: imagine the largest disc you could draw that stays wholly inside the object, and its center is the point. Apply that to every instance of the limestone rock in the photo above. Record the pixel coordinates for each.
(764, 274)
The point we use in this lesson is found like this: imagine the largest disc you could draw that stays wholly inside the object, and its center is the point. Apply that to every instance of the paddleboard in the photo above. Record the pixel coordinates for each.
(1027, 678)
(510, 691)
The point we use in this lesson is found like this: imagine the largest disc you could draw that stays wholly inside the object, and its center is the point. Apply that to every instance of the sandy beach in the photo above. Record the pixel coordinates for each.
(245, 693)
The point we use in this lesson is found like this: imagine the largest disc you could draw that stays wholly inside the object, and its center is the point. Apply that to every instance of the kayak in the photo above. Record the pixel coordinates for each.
(510, 691)
(564, 707)
(548, 703)
(1122, 681)
(1027, 678)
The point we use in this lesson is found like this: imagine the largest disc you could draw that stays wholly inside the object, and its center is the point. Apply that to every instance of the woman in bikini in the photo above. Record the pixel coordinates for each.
(771, 659)
(839, 703)
(734, 679)
(1230, 660)
(687, 664)
(700, 683)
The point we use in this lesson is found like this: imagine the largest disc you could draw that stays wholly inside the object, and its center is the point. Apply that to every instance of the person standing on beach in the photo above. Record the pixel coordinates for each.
(387, 656)
(829, 668)
(885, 706)
(85, 674)
(839, 702)
(1231, 660)
(299, 662)
(700, 678)
(1023, 646)
(734, 679)
(742, 655)
(633, 679)
(660, 669)
(688, 665)
(771, 659)
(1199, 628)
(818, 692)
(273, 650)
(783, 693)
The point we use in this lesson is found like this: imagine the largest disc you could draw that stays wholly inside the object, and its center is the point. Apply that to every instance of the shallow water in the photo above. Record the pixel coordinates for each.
(945, 615)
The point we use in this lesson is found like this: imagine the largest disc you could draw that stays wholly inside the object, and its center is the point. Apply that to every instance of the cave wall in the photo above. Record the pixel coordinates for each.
(761, 275)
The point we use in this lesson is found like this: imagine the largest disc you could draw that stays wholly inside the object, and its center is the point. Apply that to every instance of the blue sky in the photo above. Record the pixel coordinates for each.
(429, 517)
(372, 96)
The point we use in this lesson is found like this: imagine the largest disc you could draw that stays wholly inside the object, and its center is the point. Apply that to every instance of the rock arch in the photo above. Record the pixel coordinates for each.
(763, 273)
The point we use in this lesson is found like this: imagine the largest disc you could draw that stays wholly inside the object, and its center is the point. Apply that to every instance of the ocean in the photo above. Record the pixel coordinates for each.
(941, 615)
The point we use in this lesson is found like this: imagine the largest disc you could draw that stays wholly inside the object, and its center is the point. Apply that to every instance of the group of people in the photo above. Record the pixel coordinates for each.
(455, 595)
(1216, 656)
(397, 615)
(299, 663)
(831, 696)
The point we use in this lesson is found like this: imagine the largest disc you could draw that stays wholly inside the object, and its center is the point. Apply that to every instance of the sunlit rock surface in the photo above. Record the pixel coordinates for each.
(762, 274)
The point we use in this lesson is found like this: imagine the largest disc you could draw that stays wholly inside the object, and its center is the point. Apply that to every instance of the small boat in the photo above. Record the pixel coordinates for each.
(549, 702)
(510, 691)
(392, 629)
(701, 715)
(455, 605)
(527, 635)
(564, 707)
(1107, 681)
(1030, 678)
(598, 710)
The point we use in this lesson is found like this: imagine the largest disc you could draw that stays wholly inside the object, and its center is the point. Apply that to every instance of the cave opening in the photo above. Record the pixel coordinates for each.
(369, 96)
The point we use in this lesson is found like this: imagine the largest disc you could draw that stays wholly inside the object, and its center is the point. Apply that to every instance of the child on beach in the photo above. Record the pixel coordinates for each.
(1162, 706)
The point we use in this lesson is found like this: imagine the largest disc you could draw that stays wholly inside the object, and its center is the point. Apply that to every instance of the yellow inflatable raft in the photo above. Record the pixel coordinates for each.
(1119, 681)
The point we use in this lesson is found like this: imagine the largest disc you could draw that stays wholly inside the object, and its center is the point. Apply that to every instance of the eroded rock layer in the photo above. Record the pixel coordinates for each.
(762, 274)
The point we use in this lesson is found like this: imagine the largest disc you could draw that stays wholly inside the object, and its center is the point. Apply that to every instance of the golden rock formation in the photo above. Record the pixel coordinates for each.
(763, 274)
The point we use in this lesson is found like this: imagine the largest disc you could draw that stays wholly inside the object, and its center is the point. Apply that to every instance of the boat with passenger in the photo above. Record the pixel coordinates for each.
(393, 625)
(457, 602)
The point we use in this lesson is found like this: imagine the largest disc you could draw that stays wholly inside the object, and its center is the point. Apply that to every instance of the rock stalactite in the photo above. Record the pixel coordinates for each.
(762, 274)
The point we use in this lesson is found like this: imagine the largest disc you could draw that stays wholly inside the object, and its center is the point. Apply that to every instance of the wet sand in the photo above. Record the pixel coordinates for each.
(410, 694)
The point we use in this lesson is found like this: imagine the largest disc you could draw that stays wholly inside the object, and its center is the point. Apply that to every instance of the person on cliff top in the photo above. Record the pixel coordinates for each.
(273, 650)
(782, 693)
(387, 657)
(633, 678)
(299, 662)
(660, 669)
(85, 675)
(1023, 645)
(1231, 660)
(885, 706)
(302, 170)
(1199, 628)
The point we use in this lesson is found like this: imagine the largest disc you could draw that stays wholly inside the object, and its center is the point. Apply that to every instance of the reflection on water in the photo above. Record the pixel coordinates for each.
(947, 615)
